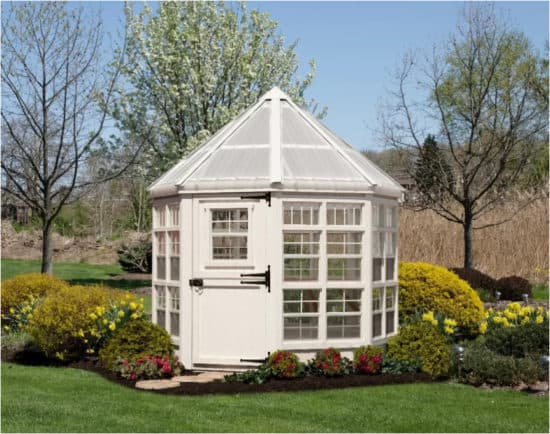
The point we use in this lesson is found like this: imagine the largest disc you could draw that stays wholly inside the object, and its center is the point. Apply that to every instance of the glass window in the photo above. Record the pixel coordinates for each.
(174, 215)
(161, 255)
(174, 310)
(301, 255)
(377, 312)
(174, 250)
(300, 313)
(300, 213)
(343, 214)
(160, 213)
(229, 233)
(343, 313)
(344, 255)
(390, 309)
(161, 305)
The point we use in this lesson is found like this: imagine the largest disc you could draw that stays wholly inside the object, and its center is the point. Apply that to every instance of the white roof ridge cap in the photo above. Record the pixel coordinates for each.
(274, 93)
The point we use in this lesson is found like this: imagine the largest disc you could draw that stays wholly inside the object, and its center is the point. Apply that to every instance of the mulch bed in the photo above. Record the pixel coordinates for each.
(274, 385)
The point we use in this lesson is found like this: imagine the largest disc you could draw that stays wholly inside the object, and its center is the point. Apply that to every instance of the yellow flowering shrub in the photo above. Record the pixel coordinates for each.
(518, 330)
(421, 341)
(63, 325)
(24, 287)
(424, 287)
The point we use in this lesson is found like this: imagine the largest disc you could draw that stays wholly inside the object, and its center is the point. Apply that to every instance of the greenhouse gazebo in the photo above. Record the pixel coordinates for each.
(275, 234)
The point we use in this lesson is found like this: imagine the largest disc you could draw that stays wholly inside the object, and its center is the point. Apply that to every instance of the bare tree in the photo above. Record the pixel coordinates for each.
(55, 93)
(484, 102)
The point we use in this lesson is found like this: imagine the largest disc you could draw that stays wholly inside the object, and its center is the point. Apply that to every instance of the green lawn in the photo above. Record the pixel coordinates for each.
(540, 292)
(45, 399)
(78, 274)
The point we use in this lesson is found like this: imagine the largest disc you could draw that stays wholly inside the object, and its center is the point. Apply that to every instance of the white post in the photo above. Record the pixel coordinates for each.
(274, 257)
(367, 264)
(186, 272)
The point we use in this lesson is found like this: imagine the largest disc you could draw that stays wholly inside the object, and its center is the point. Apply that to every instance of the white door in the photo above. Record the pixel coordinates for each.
(229, 317)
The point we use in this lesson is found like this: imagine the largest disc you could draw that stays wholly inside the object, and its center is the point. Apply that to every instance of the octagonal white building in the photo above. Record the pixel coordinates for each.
(274, 234)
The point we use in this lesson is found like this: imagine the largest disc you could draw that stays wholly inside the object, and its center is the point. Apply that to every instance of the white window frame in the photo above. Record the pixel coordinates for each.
(206, 253)
(302, 314)
(323, 283)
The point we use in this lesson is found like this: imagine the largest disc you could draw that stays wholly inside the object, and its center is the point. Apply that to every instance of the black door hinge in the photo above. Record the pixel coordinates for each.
(264, 196)
(258, 278)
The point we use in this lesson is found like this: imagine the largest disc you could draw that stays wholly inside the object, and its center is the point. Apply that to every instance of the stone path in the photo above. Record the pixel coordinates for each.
(202, 377)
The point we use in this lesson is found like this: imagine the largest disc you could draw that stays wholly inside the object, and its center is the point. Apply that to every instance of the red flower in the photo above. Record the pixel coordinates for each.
(132, 376)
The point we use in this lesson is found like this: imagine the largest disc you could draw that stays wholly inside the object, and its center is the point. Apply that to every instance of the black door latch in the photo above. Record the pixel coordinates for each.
(258, 278)
(196, 282)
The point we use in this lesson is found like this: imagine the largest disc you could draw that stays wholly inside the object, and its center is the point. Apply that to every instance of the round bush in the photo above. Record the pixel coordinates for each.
(284, 364)
(425, 287)
(134, 340)
(421, 341)
(59, 324)
(23, 287)
(477, 280)
(513, 287)
(327, 362)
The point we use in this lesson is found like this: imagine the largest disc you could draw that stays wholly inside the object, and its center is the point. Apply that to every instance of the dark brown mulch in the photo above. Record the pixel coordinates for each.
(297, 384)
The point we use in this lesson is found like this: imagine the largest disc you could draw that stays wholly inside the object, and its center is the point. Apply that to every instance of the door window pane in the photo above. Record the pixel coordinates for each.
(229, 233)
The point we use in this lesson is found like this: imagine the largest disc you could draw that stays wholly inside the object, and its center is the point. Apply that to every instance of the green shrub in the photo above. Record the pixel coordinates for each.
(22, 288)
(134, 340)
(367, 359)
(136, 257)
(396, 367)
(145, 368)
(328, 362)
(483, 366)
(253, 376)
(422, 341)
(425, 287)
(513, 287)
(284, 364)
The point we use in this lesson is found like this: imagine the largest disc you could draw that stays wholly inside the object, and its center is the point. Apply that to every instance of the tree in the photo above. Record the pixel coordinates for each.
(191, 67)
(485, 96)
(55, 94)
(432, 172)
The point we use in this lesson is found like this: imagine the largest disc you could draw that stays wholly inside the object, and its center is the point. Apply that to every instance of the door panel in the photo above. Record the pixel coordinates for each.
(229, 318)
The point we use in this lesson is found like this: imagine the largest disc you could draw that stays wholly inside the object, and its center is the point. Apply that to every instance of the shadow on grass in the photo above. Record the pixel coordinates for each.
(113, 283)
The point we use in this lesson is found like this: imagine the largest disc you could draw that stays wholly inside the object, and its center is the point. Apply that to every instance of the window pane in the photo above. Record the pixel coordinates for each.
(390, 323)
(291, 294)
(291, 307)
(301, 213)
(301, 269)
(376, 299)
(390, 268)
(333, 306)
(174, 268)
(175, 323)
(377, 324)
(381, 216)
(229, 247)
(390, 244)
(335, 294)
(343, 327)
(343, 214)
(161, 267)
(161, 318)
(300, 328)
(390, 297)
(344, 268)
(377, 269)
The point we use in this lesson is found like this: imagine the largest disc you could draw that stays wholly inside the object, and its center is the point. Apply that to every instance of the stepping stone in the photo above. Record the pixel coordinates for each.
(156, 384)
(203, 377)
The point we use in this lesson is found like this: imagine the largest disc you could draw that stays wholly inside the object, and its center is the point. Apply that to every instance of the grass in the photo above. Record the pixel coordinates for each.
(78, 274)
(78, 401)
(540, 291)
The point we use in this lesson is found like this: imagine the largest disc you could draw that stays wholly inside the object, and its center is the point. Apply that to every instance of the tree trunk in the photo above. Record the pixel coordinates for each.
(468, 241)
(47, 248)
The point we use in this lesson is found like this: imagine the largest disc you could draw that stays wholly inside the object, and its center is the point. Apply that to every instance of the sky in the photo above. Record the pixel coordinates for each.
(356, 46)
